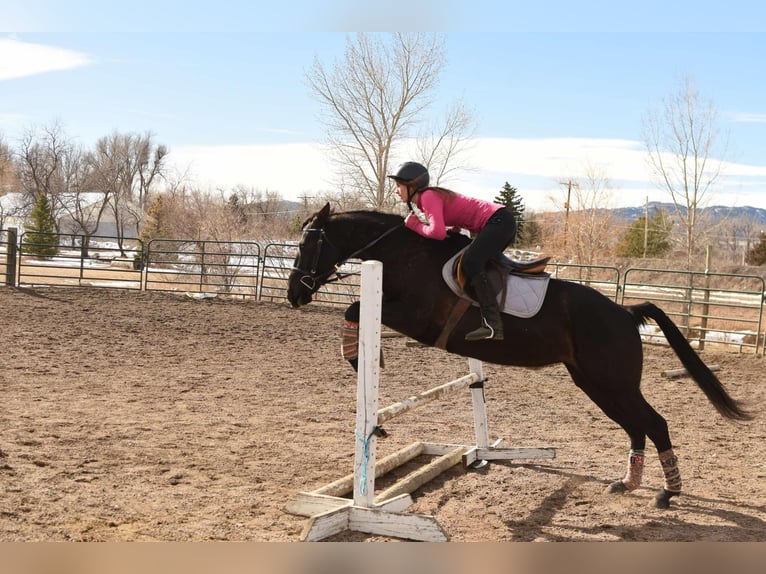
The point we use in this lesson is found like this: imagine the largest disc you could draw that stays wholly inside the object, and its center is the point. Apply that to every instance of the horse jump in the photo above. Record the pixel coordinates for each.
(381, 513)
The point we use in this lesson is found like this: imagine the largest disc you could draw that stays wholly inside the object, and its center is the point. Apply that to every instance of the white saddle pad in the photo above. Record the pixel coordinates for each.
(524, 294)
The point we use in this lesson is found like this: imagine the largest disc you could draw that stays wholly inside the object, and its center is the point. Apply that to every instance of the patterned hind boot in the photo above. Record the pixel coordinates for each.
(669, 462)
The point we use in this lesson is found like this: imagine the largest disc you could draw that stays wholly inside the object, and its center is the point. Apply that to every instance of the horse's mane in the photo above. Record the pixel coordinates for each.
(368, 217)
(370, 224)
(377, 222)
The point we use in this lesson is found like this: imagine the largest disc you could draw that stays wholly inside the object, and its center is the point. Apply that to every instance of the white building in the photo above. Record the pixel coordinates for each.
(15, 209)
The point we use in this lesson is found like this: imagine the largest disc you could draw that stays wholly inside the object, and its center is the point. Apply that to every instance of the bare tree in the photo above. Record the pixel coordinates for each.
(591, 223)
(441, 146)
(8, 183)
(40, 164)
(682, 143)
(373, 100)
(8, 177)
(734, 237)
(125, 166)
(83, 206)
(151, 164)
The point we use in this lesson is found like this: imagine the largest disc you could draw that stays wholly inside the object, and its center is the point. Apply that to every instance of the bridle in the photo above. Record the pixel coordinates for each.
(312, 280)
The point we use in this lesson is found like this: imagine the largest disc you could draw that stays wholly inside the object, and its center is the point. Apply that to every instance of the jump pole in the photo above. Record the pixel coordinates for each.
(330, 512)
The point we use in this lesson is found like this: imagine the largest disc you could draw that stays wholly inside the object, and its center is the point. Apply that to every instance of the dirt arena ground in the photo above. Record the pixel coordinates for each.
(150, 416)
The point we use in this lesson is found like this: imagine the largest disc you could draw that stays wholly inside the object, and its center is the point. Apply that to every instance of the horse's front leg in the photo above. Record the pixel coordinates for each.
(349, 335)
(391, 313)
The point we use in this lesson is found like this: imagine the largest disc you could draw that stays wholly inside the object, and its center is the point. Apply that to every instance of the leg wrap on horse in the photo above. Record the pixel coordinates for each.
(635, 473)
(349, 340)
(349, 337)
(669, 462)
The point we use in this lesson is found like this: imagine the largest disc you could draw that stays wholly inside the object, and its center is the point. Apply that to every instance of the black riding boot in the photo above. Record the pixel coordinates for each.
(492, 322)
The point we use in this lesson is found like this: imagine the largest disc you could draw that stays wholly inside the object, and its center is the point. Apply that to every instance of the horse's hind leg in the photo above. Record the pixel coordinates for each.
(639, 420)
(634, 474)
(669, 462)
(655, 427)
(635, 431)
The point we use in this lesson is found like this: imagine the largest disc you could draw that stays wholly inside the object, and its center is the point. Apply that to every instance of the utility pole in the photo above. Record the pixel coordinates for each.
(646, 226)
(569, 185)
(305, 199)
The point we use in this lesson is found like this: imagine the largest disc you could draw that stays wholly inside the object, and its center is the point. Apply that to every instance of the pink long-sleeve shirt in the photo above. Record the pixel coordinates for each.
(459, 211)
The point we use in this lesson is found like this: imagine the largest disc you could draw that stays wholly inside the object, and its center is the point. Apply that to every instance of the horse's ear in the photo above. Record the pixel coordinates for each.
(324, 212)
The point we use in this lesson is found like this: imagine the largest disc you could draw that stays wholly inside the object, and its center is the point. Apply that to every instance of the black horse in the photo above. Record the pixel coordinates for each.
(596, 339)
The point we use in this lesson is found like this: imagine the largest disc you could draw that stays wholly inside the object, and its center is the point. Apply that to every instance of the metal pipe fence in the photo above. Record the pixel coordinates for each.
(67, 260)
(278, 261)
(711, 308)
(603, 278)
(720, 308)
(225, 267)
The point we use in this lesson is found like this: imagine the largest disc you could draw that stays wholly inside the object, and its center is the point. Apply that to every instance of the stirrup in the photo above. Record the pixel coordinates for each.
(483, 333)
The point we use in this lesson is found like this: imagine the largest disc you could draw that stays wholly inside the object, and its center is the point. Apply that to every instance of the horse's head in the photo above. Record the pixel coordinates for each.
(316, 261)
(329, 240)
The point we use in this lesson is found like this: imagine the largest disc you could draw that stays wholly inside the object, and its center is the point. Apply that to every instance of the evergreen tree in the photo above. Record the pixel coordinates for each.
(41, 238)
(510, 198)
(657, 236)
(532, 235)
(157, 221)
(237, 208)
(158, 224)
(757, 255)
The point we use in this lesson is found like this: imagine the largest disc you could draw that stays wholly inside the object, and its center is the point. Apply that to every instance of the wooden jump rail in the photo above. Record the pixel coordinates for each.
(331, 512)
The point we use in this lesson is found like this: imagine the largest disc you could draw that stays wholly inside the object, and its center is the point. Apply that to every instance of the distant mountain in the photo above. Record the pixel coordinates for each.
(630, 214)
(719, 212)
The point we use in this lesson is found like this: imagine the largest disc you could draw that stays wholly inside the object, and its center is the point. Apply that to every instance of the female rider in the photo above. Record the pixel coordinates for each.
(434, 209)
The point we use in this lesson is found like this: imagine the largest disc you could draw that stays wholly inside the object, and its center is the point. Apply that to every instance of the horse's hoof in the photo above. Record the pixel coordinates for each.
(662, 500)
(617, 487)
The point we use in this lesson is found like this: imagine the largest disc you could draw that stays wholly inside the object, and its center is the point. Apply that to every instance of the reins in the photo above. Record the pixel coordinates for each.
(373, 242)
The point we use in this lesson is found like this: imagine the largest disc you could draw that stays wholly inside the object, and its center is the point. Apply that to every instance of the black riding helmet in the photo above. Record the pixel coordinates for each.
(413, 174)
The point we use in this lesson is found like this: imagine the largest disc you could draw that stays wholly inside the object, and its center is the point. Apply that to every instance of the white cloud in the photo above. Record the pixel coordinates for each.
(560, 157)
(290, 169)
(536, 167)
(746, 118)
(19, 59)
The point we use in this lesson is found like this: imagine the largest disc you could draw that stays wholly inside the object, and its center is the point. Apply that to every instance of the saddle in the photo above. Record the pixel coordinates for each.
(498, 267)
(520, 285)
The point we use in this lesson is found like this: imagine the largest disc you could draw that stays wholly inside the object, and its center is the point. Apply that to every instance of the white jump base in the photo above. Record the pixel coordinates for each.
(328, 508)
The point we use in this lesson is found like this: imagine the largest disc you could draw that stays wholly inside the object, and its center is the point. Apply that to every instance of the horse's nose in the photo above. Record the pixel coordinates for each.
(297, 297)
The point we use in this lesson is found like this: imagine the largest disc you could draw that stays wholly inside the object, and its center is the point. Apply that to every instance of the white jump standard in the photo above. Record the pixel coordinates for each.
(330, 512)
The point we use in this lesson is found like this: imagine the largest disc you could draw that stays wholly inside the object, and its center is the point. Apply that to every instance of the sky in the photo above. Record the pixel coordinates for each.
(556, 89)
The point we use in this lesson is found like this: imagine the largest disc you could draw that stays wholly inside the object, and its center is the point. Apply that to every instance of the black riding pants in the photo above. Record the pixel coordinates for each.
(497, 234)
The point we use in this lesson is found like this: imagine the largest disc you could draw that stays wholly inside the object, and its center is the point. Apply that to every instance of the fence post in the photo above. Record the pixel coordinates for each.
(83, 255)
(202, 268)
(11, 257)
(706, 300)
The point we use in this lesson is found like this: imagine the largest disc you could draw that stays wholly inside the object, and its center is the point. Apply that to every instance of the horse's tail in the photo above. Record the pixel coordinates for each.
(702, 375)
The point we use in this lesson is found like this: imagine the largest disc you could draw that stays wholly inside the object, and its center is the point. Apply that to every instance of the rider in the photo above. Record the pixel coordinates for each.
(433, 209)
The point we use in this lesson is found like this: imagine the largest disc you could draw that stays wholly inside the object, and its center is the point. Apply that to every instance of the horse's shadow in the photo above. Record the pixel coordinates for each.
(41, 295)
(676, 524)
